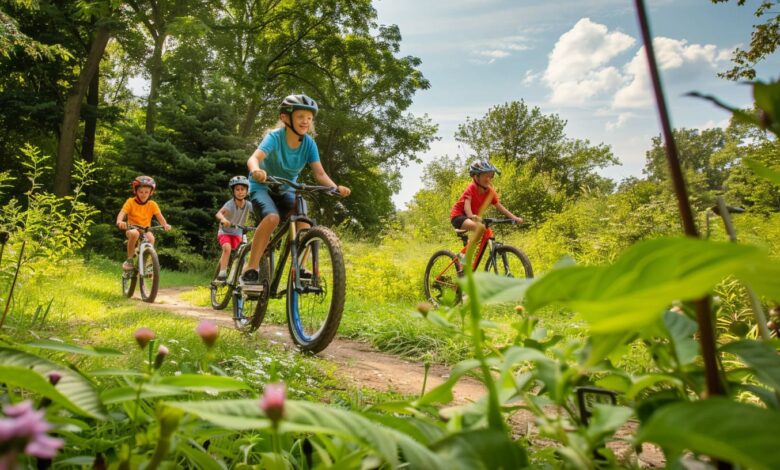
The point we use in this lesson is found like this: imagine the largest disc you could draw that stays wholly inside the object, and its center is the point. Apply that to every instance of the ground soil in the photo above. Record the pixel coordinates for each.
(361, 366)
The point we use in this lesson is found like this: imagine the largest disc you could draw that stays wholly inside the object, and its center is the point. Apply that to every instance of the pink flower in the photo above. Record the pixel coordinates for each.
(143, 336)
(208, 332)
(272, 402)
(24, 430)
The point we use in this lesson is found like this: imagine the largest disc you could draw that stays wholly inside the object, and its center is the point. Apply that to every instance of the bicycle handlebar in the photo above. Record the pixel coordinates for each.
(490, 221)
(277, 181)
(143, 229)
(245, 228)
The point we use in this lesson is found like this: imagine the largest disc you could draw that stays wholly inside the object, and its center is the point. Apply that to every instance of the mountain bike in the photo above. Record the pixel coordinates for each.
(315, 284)
(146, 268)
(222, 290)
(445, 267)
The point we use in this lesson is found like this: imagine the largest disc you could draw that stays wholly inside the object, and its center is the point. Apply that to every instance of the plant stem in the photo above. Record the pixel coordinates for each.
(702, 306)
(13, 283)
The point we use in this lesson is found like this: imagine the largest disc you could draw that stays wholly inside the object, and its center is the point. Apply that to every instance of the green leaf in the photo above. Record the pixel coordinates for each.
(73, 349)
(494, 289)
(634, 291)
(203, 383)
(198, 458)
(606, 419)
(646, 381)
(763, 171)
(123, 394)
(681, 330)
(305, 417)
(761, 357)
(735, 432)
(73, 391)
(482, 449)
(443, 392)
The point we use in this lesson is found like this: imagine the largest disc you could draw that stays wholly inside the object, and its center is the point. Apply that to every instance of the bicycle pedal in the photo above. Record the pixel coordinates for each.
(253, 288)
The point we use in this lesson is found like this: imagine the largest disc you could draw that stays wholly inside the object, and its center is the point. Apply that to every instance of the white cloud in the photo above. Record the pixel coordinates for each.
(498, 48)
(679, 63)
(577, 68)
(530, 77)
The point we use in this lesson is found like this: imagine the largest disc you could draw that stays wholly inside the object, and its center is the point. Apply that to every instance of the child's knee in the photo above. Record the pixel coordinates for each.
(226, 248)
(132, 235)
(272, 218)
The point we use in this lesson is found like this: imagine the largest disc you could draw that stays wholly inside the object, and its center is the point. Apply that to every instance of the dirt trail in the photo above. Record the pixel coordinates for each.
(361, 366)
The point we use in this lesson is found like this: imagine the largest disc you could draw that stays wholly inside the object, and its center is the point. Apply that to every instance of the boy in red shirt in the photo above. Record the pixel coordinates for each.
(139, 210)
(465, 213)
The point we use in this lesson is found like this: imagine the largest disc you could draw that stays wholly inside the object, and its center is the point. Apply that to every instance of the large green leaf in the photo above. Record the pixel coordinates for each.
(124, 394)
(73, 349)
(681, 330)
(635, 290)
(763, 171)
(761, 357)
(73, 391)
(315, 418)
(494, 289)
(482, 449)
(203, 383)
(735, 432)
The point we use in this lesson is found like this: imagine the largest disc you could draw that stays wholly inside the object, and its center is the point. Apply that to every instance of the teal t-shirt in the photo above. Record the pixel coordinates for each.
(281, 160)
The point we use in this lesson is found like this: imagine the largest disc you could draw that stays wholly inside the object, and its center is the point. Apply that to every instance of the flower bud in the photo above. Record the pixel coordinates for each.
(424, 308)
(54, 378)
(162, 351)
(519, 309)
(143, 336)
(272, 402)
(208, 332)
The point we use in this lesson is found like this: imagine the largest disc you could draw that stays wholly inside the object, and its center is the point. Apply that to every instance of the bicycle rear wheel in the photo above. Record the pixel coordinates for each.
(441, 278)
(511, 262)
(220, 289)
(129, 279)
(250, 305)
(314, 310)
(149, 280)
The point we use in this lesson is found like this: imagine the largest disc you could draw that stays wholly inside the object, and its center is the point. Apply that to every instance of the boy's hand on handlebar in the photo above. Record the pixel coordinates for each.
(260, 175)
(121, 225)
(166, 227)
(225, 223)
(343, 191)
(518, 220)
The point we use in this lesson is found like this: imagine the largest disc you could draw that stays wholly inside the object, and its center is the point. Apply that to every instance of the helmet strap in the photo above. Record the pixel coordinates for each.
(292, 127)
(140, 202)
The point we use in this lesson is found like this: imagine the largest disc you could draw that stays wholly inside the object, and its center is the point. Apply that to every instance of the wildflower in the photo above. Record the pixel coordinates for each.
(24, 430)
(143, 336)
(162, 351)
(54, 378)
(272, 402)
(519, 309)
(424, 308)
(208, 332)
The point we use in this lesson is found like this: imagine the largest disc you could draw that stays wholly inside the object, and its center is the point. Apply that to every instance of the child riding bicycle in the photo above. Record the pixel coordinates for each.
(139, 210)
(283, 152)
(234, 212)
(478, 194)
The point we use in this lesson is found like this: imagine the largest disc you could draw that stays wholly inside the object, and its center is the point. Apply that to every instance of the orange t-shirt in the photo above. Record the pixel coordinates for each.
(140, 214)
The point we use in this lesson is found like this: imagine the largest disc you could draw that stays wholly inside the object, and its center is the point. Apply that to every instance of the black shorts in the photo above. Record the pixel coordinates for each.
(458, 220)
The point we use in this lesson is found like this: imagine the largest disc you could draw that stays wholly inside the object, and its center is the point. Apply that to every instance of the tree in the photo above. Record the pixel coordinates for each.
(763, 41)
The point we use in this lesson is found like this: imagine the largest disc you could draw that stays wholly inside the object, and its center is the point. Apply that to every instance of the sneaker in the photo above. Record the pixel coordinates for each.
(251, 276)
(222, 275)
(128, 265)
(305, 273)
(241, 323)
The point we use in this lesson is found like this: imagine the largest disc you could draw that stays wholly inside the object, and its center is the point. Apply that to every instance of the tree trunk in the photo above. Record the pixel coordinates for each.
(72, 113)
(249, 118)
(154, 87)
(90, 119)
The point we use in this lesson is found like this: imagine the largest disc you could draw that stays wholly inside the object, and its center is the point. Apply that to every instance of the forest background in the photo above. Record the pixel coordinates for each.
(216, 74)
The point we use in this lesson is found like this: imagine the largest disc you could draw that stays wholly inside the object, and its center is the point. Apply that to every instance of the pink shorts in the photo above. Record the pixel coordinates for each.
(234, 240)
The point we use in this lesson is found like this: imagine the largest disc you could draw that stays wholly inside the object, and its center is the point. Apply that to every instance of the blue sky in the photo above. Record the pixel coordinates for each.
(580, 59)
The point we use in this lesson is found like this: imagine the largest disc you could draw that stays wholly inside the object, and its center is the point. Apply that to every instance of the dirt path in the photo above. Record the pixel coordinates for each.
(361, 366)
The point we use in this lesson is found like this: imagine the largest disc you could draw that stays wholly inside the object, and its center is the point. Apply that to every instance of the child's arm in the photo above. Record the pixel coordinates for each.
(253, 164)
(507, 213)
(222, 216)
(162, 221)
(120, 220)
(324, 179)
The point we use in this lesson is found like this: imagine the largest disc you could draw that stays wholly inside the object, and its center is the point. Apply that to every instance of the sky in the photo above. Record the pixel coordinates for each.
(580, 59)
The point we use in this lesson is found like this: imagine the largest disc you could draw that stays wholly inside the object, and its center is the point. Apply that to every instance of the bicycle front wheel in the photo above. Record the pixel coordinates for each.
(149, 280)
(220, 290)
(511, 262)
(441, 278)
(129, 279)
(314, 308)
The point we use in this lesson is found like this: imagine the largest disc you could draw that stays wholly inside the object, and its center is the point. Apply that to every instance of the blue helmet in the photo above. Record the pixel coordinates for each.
(236, 180)
(482, 166)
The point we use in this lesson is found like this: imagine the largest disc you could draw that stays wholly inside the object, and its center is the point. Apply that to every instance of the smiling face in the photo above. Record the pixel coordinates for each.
(239, 191)
(143, 193)
(302, 120)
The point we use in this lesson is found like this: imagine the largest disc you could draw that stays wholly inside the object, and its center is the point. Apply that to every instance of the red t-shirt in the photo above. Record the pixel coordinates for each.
(477, 199)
